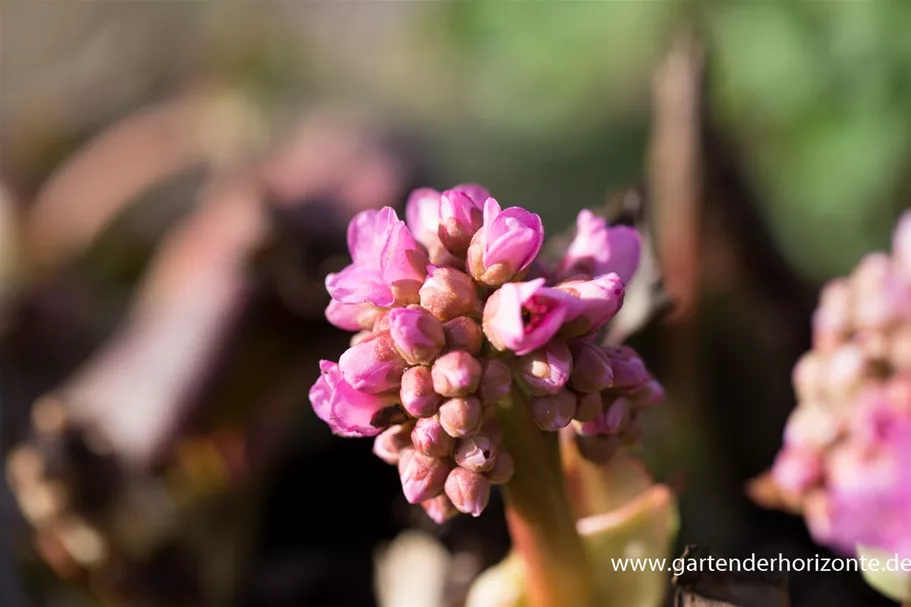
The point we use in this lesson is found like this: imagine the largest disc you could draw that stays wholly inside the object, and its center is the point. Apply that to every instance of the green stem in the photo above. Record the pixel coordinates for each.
(538, 513)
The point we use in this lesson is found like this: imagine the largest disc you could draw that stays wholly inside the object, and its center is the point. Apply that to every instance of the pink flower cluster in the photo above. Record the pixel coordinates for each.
(847, 445)
(454, 311)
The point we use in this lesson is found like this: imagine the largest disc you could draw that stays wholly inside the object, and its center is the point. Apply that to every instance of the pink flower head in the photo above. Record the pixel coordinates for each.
(373, 365)
(507, 243)
(347, 411)
(599, 249)
(524, 316)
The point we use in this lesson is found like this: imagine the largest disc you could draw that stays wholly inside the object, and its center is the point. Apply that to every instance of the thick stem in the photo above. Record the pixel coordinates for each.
(538, 512)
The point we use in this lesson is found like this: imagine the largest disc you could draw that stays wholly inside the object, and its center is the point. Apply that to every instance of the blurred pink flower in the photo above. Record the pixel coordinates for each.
(598, 249)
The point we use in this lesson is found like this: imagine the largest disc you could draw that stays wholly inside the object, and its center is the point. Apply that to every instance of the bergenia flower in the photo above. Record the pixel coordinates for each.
(447, 332)
(599, 249)
(506, 245)
(847, 445)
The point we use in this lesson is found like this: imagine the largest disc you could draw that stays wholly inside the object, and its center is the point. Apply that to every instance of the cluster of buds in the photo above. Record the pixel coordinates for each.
(454, 313)
(847, 445)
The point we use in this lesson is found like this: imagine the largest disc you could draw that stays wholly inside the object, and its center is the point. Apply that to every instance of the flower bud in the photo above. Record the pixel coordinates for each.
(422, 477)
(546, 370)
(598, 249)
(416, 333)
(496, 382)
(456, 373)
(373, 365)
(348, 411)
(612, 419)
(795, 471)
(461, 417)
(439, 509)
(463, 333)
(648, 394)
(600, 299)
(352, 317)
(403, 264)
(388, 445)
(430, 439)
(629, 370)
(468, 491)
(591, 368)
(477, 453)
(502, 470)
(448, 293)
(507, 243)
(360, 336)
(588, 406)
(598, 449)
(553, 412)
(418, 397)
(460, 218)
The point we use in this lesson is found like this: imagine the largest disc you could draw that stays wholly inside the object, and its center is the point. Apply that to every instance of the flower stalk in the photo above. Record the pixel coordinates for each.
(538, 512)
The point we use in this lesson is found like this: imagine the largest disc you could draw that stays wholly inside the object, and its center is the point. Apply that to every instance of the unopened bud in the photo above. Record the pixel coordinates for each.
(422, 477)
(460, 218)
(496, 381)
(440, 509)
(591, 368)
(502, 470)
(461, 416)
(478, 453)
(649, 393)
(463, 333)
(456, 373)
(417, 334)
(598, 449)
(468, 491)
(418, 397)
(628, 368)
(546, 370)
(389, 444)
(448, 293)
(373, 365)
(553, 412)
(431, 439)
(588, 407)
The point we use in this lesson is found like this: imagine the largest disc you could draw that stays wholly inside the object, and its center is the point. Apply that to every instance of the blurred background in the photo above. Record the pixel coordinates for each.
(176, 182)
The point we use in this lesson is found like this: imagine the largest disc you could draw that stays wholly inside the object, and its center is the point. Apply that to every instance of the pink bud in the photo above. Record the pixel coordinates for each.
(507, 243)
(477, 453)
(416, 333)
(588, 406)
(461, 416)
(352, 317)
(389, 444)
(601, 299)
(448, 293)
(439, 509)
(460, 218)
(546, 370)
(373, 365)
(795, 471)
(422, 214)
(833, 318)
(524, 316)
(403, 265)
(469, 491)
(613, 418)
(598, 449)
(418, 397)
(496, 382)
(431, 439)
(901, 245)
(463, 333)
(591, 368)
(648, 394)
(629, 370)
(502, 470)
(456, 374)
(347, 411)
(422, 477)
(551, 413)
(598, 249)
